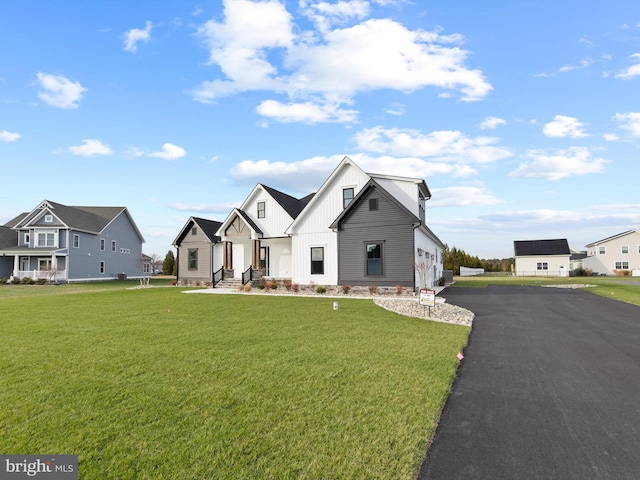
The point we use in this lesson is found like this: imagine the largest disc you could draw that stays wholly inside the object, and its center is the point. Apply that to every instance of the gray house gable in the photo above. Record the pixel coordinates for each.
(376, 217)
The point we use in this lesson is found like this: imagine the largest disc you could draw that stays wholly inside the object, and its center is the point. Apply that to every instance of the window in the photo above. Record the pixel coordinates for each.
(622, 265)
(317, 260)
(101, 267)
(373, 204)
(624, 248)
(602, 250)
(543, 266)
(374, 258)
(27, 238)
(76, 240)
(46, 239)
(44, 264)
(102, 244)
(194, 231)
(347, 196)
(192, 259)
(113, 246)
(48, 218)
(261, 210)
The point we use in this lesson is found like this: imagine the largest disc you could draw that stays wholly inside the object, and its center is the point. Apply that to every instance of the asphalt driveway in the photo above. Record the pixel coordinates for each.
(549, 389)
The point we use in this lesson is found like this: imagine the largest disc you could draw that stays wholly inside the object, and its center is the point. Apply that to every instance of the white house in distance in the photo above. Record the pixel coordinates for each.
(358, 229)
(546, 258)
(614, 254)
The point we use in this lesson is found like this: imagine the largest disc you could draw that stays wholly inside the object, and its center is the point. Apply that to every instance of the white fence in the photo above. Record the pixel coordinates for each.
(470, 272)
(46, 274)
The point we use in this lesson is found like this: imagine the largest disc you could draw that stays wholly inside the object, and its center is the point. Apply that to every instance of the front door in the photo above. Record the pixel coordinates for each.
(24, 264)
(264, 260)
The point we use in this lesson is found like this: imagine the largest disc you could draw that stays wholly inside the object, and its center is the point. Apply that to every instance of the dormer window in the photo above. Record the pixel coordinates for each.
(48, 218)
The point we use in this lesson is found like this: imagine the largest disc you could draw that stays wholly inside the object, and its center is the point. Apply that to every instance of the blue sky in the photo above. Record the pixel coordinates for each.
(522, 116)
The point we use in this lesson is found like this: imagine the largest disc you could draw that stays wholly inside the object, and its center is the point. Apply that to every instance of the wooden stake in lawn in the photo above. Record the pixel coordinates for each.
(428, 299)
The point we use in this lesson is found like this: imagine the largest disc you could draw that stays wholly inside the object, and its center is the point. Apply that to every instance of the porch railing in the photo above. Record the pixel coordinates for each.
(46, 274)
(218, 276)
(247, 276)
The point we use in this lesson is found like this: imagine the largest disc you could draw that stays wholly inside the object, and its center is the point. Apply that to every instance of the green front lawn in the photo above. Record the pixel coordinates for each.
(158, 384)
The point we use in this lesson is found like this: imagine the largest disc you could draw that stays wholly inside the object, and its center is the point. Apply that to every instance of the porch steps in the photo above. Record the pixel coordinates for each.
(230, 283)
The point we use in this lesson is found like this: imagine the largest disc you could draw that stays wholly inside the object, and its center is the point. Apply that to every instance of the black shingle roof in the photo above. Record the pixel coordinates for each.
(291, 205)
(523, 248)
(209, 227)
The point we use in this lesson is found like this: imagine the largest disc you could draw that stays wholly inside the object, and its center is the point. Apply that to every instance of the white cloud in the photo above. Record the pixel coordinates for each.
(633, 70)
(8, 136)
(574, 161)
(611, 137)
(306, 112)
(489, 123)
(90, 148)
(462, 197)
(169, 152)
(329, 66)
(444, 145)
(630, 122)
(325, 15)
(563, 126)
(584, 63)
(59, 91)
(396, 109)
(135, 36)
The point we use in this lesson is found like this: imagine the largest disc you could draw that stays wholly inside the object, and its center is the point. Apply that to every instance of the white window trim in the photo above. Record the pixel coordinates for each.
(76, 237)
(622, 248)
(604, 250)
(103, 244)
(37, 234)
(48, 218)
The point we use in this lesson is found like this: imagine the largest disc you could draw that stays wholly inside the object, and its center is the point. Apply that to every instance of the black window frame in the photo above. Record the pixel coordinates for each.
(370, 261)
(345, 199)
(317, 266)
(373, 204)
(262, 209)
(192, 259)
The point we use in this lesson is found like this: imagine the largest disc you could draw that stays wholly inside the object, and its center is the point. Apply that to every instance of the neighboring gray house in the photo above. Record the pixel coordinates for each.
(196, 258)
(68, 244)
(547, 258)
(8, 238)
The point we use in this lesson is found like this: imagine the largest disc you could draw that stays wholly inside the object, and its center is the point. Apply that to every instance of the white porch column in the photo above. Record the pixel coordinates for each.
(16, 265)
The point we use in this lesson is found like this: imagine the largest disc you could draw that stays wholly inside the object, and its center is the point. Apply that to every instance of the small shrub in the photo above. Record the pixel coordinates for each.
(247, 287)
(295, 287)
(442, 282)
(174, 282)
(15, 280)
(373, 289)
(3, 280)
(28, 281)
(399, 289)
(268, 285)
(287, 285)
(346, 289)
(320, 289)
(198, 283)
(42, 281)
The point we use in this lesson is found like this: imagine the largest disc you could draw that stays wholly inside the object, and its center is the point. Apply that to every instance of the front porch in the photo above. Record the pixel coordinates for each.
(50, 266)
(49, 275)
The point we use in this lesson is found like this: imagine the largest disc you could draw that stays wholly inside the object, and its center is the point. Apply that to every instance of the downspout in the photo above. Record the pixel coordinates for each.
(177, 264)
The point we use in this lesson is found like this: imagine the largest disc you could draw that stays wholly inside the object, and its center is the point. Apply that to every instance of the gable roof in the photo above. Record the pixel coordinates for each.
(208, 227)
(325, 185)
(604, 240)
(236, 212)
(371, 185)
(525, 248)
(8, 237)
(90, 219)
(291, 205)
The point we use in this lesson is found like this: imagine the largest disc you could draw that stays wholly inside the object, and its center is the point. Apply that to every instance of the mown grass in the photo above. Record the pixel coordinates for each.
(157, 384)
(624, 289)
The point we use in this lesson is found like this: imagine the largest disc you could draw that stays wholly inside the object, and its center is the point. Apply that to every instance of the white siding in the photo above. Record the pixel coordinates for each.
(606, 263)
(406, 192)
(276, 219)
(558, 265)
(312, 230)
(429, 247)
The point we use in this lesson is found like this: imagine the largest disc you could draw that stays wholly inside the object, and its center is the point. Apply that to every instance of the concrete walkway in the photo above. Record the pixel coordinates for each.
(549, 389)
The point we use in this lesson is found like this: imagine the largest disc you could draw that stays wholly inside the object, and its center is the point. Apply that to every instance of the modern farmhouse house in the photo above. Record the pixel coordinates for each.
(68, 244)
(358, 229)
(618, 253)
(547, 258)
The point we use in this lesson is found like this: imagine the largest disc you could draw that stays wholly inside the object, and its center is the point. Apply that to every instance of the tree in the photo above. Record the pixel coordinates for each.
(169, 264)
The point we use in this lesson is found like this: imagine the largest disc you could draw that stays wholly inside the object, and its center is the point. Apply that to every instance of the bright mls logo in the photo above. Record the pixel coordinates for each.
(49, 467)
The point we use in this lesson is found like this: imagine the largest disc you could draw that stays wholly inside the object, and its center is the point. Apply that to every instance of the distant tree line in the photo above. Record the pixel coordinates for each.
(455, 258)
